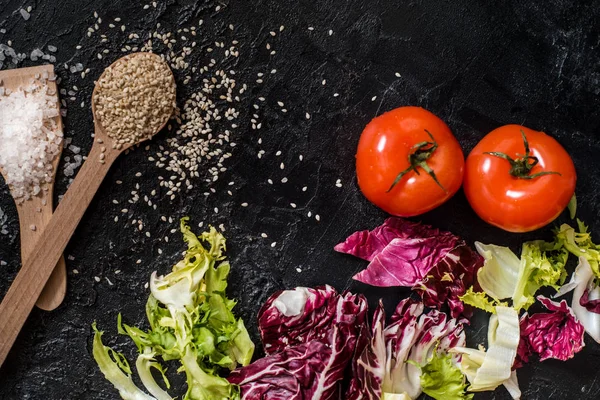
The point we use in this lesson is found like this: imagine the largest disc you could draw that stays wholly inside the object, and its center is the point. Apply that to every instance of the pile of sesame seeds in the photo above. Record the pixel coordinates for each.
(134, 98)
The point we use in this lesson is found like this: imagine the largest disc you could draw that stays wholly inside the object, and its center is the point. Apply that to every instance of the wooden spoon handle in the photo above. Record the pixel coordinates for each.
(55, 290)
(36, 269)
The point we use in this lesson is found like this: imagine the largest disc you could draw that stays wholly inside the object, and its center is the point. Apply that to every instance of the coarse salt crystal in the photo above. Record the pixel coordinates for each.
(29, 139)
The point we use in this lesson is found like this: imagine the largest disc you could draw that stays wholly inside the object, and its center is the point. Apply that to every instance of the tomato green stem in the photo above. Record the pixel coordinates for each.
(521, 167)
(421, 152)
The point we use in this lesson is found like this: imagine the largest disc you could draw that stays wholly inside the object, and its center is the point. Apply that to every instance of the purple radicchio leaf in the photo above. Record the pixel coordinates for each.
(298, 316)
(400, 260)
(310, 336)
(450, 278)
(411, 335)
(435, 263)
(557, 334)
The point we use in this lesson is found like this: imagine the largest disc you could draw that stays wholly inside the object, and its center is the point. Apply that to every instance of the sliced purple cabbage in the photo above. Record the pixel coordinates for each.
(557, 334)
(435, 263)
(382, 369)
(310, 336)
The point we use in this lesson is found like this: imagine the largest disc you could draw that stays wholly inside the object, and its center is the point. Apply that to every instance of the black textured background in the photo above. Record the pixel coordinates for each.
(476, 64)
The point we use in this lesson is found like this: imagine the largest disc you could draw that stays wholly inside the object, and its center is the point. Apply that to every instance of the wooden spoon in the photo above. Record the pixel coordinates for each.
(36, 270)
(35, 213)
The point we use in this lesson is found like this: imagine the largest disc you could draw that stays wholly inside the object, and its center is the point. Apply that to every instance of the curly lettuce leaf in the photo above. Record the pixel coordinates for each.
(480, 300)
(116, 370)
(580, 244)
(191, 320)
(505, 276)
(442, 380)
(537, 270)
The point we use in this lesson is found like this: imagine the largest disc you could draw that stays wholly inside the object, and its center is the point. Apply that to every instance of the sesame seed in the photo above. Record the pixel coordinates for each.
(282, 166)
(298, 270)
(309, 214)
(305, 188)
(317, 217)
(398, 75)
(307, 116)
(324, 82)
(284, 179)
(273, 244)
(244, 204)
(330, 32)
(373, 98)
(293, 205)
(264, 235)
(97, 279)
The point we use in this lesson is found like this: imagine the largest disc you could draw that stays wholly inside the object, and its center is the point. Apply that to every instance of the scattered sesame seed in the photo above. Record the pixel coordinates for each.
(284, 179)
(97, 279)
(307, 116)
(282, 166)
(270, 181)
(264, 235)
(317, 217)
(305, 188)
(373, 98)
(298, 270)
(244, 204)
(75, 271)
(398, 75)
(273, 244)
(293, 205)
(324, 82)
(309, 214)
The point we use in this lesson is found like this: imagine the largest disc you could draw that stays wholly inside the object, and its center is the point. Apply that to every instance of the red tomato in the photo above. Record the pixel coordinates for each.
(519, 204)
(408, 141)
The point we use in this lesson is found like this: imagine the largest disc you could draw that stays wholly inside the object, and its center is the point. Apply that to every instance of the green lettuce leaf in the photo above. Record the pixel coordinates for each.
(116, 369)
(505, 276)
(538, 270)
(442, 380)
(480, 300)
(191, 320)
(580, 244)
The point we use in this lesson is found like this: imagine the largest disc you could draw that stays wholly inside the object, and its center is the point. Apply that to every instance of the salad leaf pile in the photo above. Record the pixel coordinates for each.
(319, 345)
(191, 321)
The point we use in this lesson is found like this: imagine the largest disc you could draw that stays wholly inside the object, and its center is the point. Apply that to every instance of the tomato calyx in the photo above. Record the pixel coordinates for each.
(421, 152)
(522, 166)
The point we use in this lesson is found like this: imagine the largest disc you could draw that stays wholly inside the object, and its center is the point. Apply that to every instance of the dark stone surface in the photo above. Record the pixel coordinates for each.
(476, 64)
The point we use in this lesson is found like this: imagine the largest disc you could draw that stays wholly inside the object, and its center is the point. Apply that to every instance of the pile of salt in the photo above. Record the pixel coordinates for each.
(29, 138)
